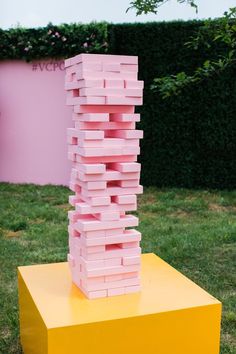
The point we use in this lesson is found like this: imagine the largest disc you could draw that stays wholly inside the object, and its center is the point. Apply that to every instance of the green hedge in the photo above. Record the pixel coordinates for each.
(53, 41)
(190, 140)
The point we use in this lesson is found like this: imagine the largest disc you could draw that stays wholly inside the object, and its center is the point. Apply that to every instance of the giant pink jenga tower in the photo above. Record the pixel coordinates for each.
(104, 256)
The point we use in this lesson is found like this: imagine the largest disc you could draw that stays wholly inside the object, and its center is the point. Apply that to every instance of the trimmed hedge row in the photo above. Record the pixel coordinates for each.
(53, 41)
(190, 140)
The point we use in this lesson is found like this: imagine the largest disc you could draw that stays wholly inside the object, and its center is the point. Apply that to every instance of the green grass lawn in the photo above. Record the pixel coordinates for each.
(195, 231)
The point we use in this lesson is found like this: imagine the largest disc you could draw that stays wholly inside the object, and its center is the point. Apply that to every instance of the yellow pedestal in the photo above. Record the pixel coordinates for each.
(171, 315)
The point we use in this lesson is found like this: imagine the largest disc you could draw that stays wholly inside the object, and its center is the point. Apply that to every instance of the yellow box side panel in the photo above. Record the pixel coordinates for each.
(33, 331)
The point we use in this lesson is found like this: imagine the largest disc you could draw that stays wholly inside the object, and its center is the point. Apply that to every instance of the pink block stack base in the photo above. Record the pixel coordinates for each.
(104, 256)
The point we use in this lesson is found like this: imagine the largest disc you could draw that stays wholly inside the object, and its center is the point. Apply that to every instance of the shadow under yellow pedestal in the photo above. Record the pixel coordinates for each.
(171, 315)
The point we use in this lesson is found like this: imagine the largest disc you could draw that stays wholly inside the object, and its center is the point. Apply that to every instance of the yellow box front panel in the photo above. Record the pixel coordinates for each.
(171, 315)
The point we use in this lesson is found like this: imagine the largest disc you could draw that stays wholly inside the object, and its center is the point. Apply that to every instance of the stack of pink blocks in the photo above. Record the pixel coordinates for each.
(104, 256)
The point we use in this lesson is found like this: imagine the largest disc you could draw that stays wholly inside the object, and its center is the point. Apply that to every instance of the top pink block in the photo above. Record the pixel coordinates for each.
(121, 59)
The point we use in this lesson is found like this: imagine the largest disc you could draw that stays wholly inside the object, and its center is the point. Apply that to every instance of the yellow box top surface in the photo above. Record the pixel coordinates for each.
(61, 303)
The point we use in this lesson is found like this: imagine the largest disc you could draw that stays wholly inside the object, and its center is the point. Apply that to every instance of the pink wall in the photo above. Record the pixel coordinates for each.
(33, 122)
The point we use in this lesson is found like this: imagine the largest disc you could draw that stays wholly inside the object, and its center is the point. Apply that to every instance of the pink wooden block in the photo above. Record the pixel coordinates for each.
(137, 101)
(93, 249)
(92, 168)
(112, 270)
(111, 66)
(109, 151)
(104, 109)
(82, 74)
(131, 260)
(85, 134)
(126, 134)
(94, 234)
(71, 70)
(125, 199)
(84, 83)
(70, 101)
(112, 191)
(69, 76)
(130, 232)
(85, 208)
(114, 232)
(73, 216)
(71, 157)
(74, 187)
(91, 117)
(72, 232)
(119, 92)
(110, 285)
(129, 244)
(131, 142)
(74, 241)
(123, 282)
(95, 294)
(109, 175)
(129, 68)
(124, 142)
(93, 265)
(72, 149)
(90, 66)
(104, 159)
(103, 58)
(113, 83)
(91, 224)
(116, 291)
(132, 289)
(134, 84)
(126, 166)
(68, 80)
(70, 73)
(112, 278)
(92, 281)
(98, 201)
(71, 85)
(104, 126)
(131, 275)
(111, 263)
(70, 94)
(96, 185)
(116, 252)
(129, 183)
(90, 152)
(74, 173)
(119, 117)
(108, 216)
(71, 140)
(119, 239)
(76, 253)
(73, 200)
(131, 150)
(93, 100)
(74, 60)
(105, 143)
